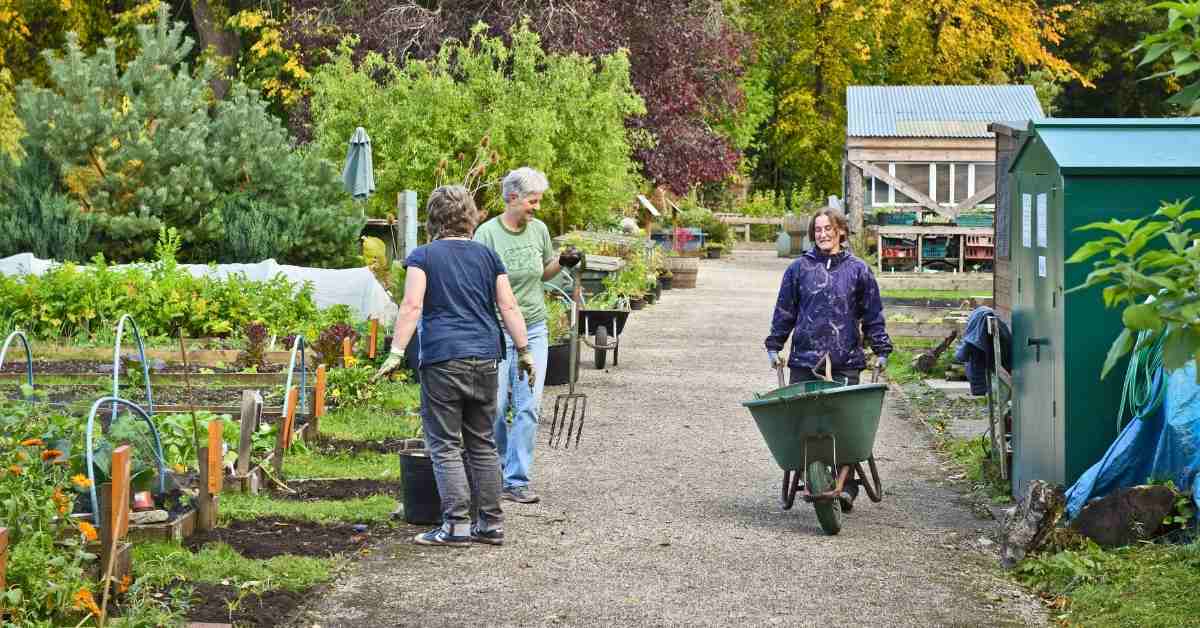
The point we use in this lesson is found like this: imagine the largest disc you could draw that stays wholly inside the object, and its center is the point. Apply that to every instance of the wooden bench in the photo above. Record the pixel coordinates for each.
(739, 220)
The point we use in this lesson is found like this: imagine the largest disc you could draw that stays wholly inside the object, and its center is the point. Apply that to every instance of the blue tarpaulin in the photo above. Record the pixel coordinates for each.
(1161, 443)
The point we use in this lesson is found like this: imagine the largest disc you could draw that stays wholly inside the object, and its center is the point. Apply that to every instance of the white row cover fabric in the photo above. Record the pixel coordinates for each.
(355, 287)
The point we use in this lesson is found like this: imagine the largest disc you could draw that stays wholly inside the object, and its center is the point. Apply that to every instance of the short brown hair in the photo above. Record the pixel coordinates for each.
(836, 218)
(450, 213)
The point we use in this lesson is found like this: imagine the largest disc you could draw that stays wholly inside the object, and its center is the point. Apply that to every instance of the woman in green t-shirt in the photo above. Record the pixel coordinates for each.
(523, 244)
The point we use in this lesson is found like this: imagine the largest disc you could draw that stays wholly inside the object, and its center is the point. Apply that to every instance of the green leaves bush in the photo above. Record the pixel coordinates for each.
(142, 146)
(1130, 273)
(563, 114)
(85, 302)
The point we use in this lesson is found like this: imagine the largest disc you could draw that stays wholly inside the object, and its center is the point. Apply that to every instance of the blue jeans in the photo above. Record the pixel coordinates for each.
(515, 442)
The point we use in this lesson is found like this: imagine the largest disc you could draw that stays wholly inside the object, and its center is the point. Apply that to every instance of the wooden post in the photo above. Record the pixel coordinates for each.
(251, 411)
(206, 518)
(879, 249)
(314, 426)
(120, 491)
(347, 351)
(374, 339)
(962, 251)
(855, 204)
(283, 438)
(215, 457)
(3, 560)
(113, 518)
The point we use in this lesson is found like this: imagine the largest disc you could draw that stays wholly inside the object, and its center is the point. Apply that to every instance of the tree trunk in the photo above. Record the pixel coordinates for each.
(210, 17)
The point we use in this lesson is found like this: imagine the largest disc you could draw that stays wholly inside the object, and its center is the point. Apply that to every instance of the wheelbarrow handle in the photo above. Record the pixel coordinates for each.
(779, 372)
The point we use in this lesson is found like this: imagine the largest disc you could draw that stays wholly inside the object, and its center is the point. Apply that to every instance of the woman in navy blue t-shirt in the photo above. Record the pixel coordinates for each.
(455, 287)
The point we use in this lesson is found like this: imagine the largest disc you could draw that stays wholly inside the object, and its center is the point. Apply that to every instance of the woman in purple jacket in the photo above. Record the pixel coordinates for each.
(824, 296)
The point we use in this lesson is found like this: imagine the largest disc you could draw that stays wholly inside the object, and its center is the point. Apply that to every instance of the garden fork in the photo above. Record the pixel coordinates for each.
(571, 407)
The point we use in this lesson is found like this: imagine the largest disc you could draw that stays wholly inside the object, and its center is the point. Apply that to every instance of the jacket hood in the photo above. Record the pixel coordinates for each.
(816, 255)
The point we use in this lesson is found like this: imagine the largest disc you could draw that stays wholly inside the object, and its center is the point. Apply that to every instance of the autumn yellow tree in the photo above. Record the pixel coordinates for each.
(814, 49)
(10, 127)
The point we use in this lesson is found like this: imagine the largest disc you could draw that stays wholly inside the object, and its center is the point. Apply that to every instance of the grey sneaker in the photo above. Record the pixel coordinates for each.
(441, 538)
(520, 494)
(491, 537)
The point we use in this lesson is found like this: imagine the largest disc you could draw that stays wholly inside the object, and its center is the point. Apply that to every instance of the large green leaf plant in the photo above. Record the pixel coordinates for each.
(1157, 286)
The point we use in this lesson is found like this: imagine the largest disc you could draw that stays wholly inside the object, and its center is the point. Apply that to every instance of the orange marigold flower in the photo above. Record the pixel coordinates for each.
(88, 530)
(124, 584)
(50, 454)
(85, 602)
(62, 501)
(33, 442)
(15, 469)
(81, 481)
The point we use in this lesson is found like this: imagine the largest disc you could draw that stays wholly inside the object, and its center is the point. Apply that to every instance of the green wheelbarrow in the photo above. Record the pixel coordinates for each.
(820, 433)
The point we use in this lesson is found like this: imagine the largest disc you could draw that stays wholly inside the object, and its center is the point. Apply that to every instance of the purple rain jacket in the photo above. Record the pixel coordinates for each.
(820, 302)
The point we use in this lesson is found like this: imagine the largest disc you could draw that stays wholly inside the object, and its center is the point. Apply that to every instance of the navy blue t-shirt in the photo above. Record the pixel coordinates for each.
(459, 317)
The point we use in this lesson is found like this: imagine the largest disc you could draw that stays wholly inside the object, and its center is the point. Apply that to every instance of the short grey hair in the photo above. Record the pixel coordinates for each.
(524, 181)
(450, 213)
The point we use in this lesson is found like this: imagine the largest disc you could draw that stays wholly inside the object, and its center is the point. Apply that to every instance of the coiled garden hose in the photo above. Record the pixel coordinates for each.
(1143, 392)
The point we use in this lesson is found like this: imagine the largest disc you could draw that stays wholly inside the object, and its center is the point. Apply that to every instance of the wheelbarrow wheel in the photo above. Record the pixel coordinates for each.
(819, 481)
(601, 341)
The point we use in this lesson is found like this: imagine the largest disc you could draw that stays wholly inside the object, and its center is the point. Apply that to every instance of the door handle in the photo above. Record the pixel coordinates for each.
(1037, 344)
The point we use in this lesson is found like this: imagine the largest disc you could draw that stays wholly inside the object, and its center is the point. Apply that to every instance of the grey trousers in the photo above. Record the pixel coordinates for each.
(458, 406)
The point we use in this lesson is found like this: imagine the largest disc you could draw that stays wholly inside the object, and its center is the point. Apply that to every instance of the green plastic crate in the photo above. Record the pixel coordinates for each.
(976, 220)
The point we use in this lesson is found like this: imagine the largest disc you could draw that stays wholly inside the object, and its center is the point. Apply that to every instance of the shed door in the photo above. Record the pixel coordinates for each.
(1034, 348)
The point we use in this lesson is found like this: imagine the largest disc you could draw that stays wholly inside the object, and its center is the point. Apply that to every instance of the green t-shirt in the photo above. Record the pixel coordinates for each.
(525, 254)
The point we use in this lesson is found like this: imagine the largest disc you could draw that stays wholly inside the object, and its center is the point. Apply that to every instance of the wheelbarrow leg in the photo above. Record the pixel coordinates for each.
(872, 484)
(792, 484)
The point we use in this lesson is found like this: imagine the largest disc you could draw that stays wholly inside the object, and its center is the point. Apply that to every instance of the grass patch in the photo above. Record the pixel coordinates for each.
(905, 350)
(366, 424)
(972, 455)
(372, 465)
(217, 563)
(954, 295)
(1142, 585)
(374, 509)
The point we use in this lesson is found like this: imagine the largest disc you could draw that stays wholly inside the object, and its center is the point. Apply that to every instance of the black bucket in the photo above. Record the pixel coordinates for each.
(558, 364)
(422, 504)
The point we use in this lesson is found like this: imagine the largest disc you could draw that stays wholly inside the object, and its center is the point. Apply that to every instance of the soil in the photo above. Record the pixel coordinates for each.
(268, 537)
(210, 603)
(163, 395)
(313, 490)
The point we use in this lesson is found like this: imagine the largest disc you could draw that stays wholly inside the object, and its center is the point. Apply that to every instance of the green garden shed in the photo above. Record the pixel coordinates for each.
(1068, 173)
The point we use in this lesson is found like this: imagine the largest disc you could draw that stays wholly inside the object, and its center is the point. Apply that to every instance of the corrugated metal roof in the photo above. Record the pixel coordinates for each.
(936, 110)
(1108, 145)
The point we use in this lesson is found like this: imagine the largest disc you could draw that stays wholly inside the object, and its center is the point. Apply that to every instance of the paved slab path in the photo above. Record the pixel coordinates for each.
(669, 515)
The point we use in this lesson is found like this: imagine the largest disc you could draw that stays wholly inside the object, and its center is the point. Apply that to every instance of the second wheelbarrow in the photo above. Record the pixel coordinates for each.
(820, 433)
(605, 327)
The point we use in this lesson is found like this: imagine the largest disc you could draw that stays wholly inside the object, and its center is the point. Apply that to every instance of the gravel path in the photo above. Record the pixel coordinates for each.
(669, 513)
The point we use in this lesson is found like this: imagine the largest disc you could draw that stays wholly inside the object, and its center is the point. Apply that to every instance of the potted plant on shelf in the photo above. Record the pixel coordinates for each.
(714, 250)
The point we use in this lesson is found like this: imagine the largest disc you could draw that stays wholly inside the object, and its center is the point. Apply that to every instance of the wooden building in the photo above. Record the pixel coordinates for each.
(920, 163)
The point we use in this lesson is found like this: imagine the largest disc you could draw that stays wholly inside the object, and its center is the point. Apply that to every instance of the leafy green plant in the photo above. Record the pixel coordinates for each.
(1131, 273)
(578, 104)
(254, 356)
(1181, 40)
(558, 318)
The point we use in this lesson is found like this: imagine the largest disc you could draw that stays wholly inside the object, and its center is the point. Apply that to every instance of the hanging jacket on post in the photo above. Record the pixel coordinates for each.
(821, 300)
(976, 349)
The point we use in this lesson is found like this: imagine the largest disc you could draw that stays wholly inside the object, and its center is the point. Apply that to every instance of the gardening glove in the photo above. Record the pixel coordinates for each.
(775, 359)
(525, 365)
(570, 257)
(392, 364)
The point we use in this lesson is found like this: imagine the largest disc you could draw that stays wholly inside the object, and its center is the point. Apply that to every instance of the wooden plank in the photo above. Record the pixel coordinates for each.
(930, 155)
(251, 411)
(206, 512)
(319, 393)
(347, 351)
(923, 143)
(374, 338)
(289, 419)
(3, 559)
(891, 231)
(971, 202)
(922, 330)
(205, 357)
(737, 219)
(214, 458)
(119, 472)
(920, 197)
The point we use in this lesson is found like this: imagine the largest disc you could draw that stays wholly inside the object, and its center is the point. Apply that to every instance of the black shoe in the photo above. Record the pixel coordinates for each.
(846, 499)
